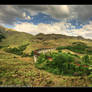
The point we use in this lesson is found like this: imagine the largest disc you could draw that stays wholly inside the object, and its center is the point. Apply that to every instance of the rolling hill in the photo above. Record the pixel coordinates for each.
(15, 38)
(21, 71)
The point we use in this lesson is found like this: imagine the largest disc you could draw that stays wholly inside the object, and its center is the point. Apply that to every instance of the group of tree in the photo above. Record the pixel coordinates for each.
(1, 37)
(17, 51)
(64, 63)
(78, 47)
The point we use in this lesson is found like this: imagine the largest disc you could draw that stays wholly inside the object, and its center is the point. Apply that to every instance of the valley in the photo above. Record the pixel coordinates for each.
(17, 67)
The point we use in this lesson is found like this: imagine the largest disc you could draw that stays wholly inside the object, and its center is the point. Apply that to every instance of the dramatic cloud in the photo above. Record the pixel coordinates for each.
(9, 13)
(13, 14)
(83, 12)
(56, 28)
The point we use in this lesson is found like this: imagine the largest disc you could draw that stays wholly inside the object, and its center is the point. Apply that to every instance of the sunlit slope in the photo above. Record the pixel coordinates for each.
(19, 71)
(15, 38)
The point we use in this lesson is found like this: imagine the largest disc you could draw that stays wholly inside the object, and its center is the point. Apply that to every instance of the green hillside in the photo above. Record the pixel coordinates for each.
(17, 67)
(15, 38)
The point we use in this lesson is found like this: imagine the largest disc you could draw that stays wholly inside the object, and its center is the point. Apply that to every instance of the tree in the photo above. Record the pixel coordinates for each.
(85, 58)
(1, 37)
(32, 53)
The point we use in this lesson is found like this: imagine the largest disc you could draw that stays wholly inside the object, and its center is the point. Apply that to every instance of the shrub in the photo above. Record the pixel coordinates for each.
(63, 63)
(1, 47)
(60, 48)
(32, 54)
(18, 51)
(14, 51)
(23, 47)
(86, 59)
(78, 47)
(80, 43)
(89, 50)
(41, 59)
(1, 37)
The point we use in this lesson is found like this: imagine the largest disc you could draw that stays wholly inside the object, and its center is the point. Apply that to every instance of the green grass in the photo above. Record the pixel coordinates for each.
(64, 63)
(21, 71)
(15, 72)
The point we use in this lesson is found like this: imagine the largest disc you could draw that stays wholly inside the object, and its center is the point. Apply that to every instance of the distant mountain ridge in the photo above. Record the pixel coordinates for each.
(38, 36)
(41, 36)
(15, 38)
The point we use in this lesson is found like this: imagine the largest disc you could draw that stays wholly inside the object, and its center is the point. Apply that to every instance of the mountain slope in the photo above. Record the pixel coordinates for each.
(21, 71)
(14, 38)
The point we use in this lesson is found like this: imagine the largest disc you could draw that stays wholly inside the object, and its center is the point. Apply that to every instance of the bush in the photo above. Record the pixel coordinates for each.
(89, 50)
(1, 47)
(78, 47)
(60, 48)
(86, 59)
(63, 63)
(80, 43)
(23, 47)
(18, 51)
(32, 54)
(13, 50)
(1, 37)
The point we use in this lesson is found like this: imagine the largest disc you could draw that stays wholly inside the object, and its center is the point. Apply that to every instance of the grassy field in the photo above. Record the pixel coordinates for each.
(18, 71)
(21, 71)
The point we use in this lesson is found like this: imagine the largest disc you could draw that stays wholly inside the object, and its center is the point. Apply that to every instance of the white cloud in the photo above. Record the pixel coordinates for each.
(58, 11)
(28, 18)
(85, 31)
(56, 28)
(24, 14)
(9, 13)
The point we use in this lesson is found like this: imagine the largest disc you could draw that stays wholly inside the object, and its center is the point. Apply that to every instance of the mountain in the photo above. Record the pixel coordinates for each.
(17, 70)
(14, 38)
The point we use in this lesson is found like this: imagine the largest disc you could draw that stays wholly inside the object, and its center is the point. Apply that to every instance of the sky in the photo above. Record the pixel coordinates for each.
(71, 20)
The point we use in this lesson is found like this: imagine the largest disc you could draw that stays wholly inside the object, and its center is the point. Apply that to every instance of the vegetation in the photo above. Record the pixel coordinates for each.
(32, 54)
(1, 37)
(64, 64)
(17, 51)
(18, 69)
(78, 47)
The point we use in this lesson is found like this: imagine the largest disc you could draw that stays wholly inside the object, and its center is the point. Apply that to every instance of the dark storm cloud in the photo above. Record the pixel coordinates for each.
(83, 12)
(9, 13)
